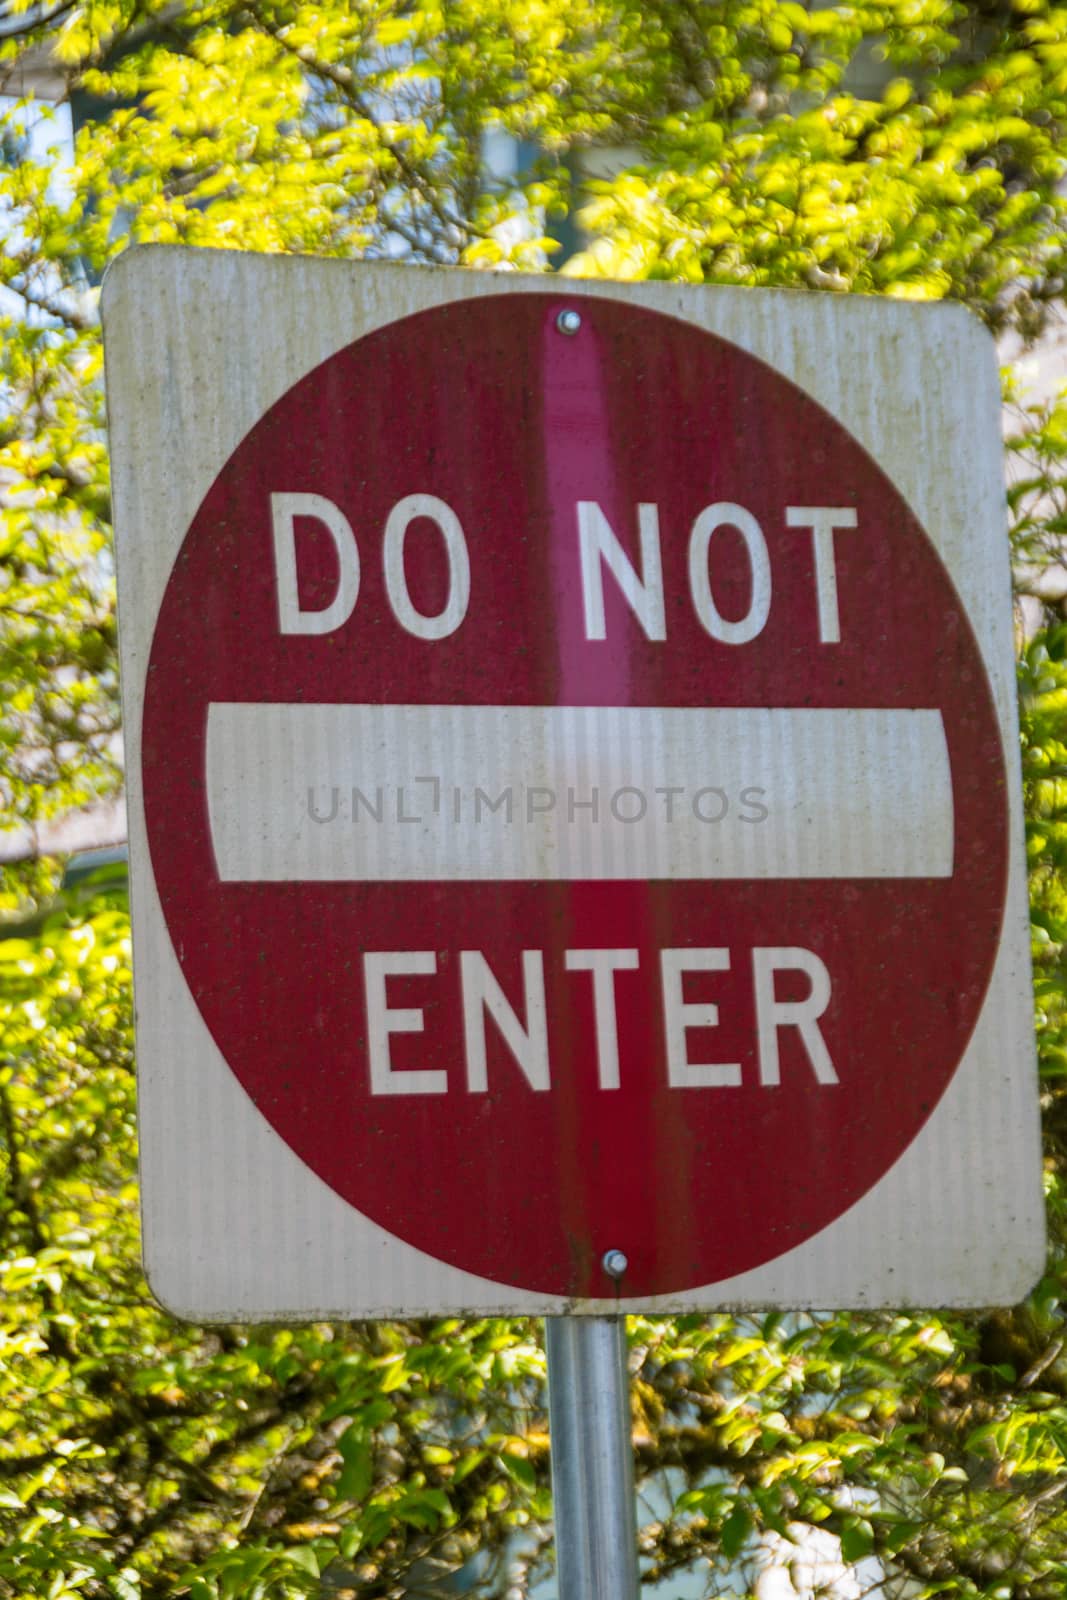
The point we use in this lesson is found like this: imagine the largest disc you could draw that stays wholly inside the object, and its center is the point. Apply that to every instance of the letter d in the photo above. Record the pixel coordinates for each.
(284, 510)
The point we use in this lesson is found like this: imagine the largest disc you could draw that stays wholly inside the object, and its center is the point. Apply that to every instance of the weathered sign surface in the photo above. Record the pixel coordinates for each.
(573, 794)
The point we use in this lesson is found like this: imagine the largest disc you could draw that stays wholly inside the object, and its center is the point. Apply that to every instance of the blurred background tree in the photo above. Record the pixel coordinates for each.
(912, 148)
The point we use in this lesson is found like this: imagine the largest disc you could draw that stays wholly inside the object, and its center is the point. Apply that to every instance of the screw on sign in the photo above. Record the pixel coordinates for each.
(574, 794)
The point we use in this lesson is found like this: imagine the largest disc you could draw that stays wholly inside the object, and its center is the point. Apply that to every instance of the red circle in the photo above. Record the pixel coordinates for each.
(488, 406)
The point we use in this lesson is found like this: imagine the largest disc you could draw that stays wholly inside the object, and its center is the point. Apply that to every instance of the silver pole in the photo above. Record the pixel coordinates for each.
(592, 1458)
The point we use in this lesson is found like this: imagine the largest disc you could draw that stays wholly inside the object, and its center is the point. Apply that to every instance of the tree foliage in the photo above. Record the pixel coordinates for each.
(913, 147)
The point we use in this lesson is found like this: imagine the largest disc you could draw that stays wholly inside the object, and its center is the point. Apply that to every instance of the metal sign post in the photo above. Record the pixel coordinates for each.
(573, 782)
(592, 1458)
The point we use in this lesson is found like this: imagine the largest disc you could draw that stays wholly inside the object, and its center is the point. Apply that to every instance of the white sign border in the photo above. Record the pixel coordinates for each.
(199, 345)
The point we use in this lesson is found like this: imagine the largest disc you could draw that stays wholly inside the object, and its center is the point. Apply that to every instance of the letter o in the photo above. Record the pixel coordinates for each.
(628, 788)
(399, 520)
(724, 799)
(726, 514)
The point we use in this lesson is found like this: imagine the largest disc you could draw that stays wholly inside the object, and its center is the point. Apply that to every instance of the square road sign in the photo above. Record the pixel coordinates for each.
(574, 805)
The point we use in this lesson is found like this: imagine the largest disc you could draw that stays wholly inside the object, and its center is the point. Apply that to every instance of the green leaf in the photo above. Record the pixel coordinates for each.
(735, 1531)
(857, 1539)
(519, 1469)
(357, 1473)
(304, 1558)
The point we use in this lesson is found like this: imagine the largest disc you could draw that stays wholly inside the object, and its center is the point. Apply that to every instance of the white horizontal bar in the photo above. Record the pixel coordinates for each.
(679, 793)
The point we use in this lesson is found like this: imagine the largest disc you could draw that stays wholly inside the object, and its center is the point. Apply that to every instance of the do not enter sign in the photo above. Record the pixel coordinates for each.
(577, 801)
